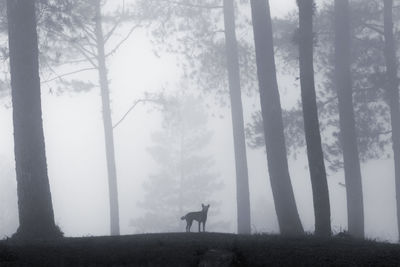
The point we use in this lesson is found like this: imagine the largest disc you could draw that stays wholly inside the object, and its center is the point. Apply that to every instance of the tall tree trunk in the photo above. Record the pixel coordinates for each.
(348, 138)
(181, 172)
(311, 124)
(285, 204)
(242, 179)
(107, 122)
(35, 208)
(393, 96)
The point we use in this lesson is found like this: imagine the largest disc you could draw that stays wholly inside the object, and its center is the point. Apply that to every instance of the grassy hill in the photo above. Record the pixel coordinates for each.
(204, 249)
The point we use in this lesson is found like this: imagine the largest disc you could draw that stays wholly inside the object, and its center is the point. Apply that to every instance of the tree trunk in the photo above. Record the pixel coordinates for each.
(35, 208)
(285, 204)
(393, 96)
(242, 180)
(107, 122)
(348, 138)
(311, 124)
(181, 173)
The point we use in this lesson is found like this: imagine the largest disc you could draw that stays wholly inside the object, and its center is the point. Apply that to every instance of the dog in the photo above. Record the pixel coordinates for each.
(200, 216)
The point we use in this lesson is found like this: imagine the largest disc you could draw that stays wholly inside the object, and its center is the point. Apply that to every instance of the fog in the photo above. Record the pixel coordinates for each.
(76, 162)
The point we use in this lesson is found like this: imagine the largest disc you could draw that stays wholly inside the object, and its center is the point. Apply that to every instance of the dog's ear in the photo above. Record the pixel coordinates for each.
(202, 205)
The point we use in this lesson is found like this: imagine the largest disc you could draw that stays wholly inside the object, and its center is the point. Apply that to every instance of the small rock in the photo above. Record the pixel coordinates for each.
(217, 258)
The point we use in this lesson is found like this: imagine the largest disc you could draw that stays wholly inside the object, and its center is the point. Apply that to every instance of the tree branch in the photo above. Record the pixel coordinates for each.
(108, 35)
(144, 100)
(87, 54)
(89, 34)
(66, 74)
(123, 40)
(89, 57)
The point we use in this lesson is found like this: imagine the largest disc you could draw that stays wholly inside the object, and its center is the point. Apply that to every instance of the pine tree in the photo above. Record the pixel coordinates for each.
(285, 204)
(392, 87)
(311, 124)
(185, 176)
(343, 82)
(36, 216)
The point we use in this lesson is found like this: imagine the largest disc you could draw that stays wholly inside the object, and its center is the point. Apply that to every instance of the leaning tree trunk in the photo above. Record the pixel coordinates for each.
(311, 124)
(242, 180)
(285, 204)
(348, 138)
(393, 96)
(35, 208)
(107, 122)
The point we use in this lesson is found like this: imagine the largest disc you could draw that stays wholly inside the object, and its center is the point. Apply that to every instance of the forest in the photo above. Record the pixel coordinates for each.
(267, 124)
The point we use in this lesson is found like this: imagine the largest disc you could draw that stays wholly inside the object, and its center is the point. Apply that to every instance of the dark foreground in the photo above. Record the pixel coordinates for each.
(204, 249)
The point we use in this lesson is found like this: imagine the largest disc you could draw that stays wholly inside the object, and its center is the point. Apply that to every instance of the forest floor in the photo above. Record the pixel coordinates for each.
(199, 249)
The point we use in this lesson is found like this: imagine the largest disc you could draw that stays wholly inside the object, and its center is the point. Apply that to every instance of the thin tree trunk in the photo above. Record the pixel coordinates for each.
(348, 138)
(35, 207)
(311, 124)
(107, 122)
(285, 204)
(181, 171)
(242, 179)
(393, 95)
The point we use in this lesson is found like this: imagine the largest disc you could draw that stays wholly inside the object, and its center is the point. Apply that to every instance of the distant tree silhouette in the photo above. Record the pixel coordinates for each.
(285, 204)
(35, 207)
(311, 124)
(185, 177)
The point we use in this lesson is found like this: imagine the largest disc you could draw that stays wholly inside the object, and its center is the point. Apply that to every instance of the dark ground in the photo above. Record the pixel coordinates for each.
(204, 249)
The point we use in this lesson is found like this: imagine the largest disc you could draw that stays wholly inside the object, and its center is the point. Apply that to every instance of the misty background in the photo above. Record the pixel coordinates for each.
(77, 165)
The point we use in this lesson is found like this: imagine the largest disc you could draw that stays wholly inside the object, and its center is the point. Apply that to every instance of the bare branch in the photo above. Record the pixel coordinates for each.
(90, 34)
(108, 35)
(123, 40)
(76, 61)
(144, 100)
(87, 54)
(66, 74)
(84, 52)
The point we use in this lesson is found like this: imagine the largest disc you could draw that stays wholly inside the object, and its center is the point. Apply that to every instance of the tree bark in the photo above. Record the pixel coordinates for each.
(285, 204)
(348, 137)
(242, 180)
(35, 207)
(311, 124)
(107, 122)
(393, 96)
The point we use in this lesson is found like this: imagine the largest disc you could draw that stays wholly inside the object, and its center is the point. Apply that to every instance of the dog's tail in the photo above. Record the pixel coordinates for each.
(183, 217)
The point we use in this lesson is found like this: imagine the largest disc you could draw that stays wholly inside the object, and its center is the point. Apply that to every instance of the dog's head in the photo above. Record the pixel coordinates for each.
(205, 207)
